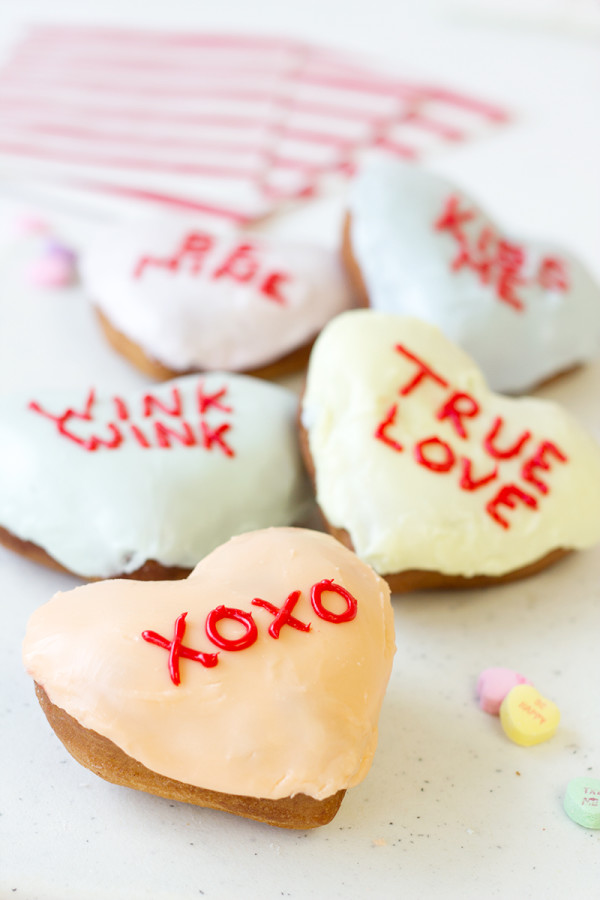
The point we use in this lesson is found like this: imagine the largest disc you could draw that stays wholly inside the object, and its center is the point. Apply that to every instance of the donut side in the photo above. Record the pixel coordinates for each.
(105, 759)
(133, 353)
(351, 264)
(151, 570)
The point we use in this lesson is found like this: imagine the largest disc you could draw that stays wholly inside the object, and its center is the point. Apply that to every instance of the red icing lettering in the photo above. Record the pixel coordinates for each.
(164, 435)
(381, 430)
(457, 407)
(176, 649)
(438, 455)
(140, 436)
(494, 259)
(552, 275)
(328, 584)
(510, 261)
(452, 218)
(478, 258)
(120, 408)
(424, 371)
(271, 287)
(194, 248)
(467, 482)
(539, 461)
(514, 450)
(92, 443)
(212, 436)
(86, 415)
(440, 465)
(507, 496)
(208, 401)
(241, 265)
(283, 615)
(150, 403)
(225, 612)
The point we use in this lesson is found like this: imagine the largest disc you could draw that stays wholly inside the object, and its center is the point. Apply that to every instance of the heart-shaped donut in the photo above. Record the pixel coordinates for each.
(253, 686)
(427, 474)
(174, 297)
(147, 483)
(418, 246)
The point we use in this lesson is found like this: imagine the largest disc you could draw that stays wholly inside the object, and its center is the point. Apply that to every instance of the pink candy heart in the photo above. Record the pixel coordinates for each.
(56, 268)
(494, 684)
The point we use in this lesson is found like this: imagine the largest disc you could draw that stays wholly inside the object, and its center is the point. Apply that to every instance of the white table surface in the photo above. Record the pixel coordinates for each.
(451, 808)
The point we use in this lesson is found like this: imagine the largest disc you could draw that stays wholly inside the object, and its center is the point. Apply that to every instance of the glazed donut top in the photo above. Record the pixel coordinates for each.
(193, 299)
(524, 311)
(283, 710)
(427, 468)
(104, 482)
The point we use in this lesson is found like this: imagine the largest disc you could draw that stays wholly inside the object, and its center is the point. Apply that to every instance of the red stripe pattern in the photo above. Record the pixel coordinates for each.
(231, 125)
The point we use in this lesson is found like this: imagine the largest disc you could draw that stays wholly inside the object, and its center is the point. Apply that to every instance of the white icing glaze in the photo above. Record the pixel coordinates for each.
(407, 268)
(106, 512)
(400, 514)
(297, 714)
(189, 320)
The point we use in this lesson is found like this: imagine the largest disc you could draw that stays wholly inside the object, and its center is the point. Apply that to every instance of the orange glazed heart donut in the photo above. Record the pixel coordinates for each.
(254, 686)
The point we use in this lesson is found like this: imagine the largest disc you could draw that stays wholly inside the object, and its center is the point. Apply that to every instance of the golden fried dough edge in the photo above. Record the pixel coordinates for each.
(105, 759)
(126, 347)
(151, 570)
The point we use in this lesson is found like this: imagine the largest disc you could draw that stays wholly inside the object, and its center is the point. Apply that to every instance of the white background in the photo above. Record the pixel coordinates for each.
(451, 808)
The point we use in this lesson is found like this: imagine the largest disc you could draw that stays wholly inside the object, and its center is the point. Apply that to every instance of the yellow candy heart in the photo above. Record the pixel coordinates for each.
(528, 718)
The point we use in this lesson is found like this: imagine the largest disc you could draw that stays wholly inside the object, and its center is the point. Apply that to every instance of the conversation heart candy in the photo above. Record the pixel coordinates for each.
(52, 270)
(582, 801)
(493, 685)
(528, 718)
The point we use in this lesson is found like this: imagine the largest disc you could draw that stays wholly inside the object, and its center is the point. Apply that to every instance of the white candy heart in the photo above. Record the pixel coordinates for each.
(524, 311)
(103, 482)
(426, 468)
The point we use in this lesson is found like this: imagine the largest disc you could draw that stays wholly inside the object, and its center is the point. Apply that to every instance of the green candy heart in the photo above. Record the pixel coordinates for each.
(582, 801)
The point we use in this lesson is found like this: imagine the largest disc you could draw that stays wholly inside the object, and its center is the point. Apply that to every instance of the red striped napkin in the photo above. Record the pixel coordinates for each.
(229, 124)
